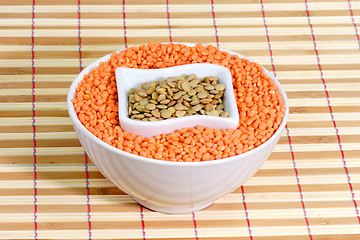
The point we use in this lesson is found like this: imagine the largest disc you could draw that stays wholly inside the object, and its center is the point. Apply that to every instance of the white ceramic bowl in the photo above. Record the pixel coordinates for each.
(172, 187)
(127, 78)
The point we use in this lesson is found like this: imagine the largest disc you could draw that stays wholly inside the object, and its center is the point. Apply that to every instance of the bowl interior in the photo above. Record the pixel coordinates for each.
(79, 127)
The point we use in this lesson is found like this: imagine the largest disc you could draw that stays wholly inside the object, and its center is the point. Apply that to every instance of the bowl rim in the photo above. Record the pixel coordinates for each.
(77, 124)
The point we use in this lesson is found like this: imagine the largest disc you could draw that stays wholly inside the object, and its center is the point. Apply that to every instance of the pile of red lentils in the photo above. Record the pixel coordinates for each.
(261, 107)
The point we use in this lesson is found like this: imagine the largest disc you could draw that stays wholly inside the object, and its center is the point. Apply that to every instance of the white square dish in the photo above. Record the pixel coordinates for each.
(127, 78)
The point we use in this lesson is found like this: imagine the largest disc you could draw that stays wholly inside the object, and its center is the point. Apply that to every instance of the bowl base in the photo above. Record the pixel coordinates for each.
(173, 210)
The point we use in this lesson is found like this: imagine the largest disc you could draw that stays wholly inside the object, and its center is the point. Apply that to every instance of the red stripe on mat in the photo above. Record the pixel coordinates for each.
(33, 117)
(142, 222)
(86, 163)
(124, 23)
(332, 113)
(168, 19)
(287, 130)
(246, 212)
(214, 23)
(353, 22)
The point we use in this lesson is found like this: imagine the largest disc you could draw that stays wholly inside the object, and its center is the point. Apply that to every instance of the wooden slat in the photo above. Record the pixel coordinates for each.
(183, 22)
(184, 32)
(322, 6)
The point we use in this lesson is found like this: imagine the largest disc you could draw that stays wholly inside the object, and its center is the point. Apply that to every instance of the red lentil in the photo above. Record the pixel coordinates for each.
(261, 107)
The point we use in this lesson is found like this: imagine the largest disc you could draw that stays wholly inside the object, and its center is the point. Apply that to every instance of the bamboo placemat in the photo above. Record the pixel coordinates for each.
(309, 188)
